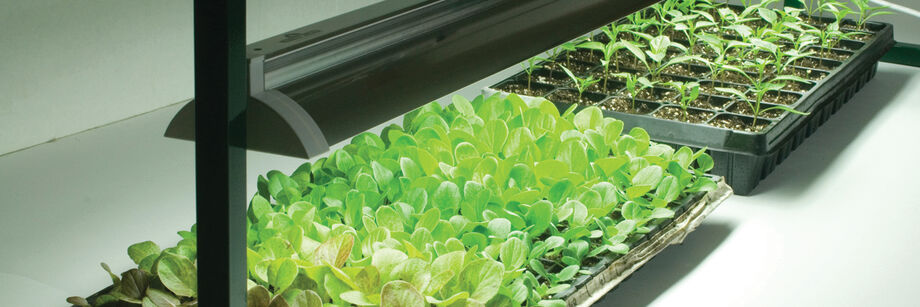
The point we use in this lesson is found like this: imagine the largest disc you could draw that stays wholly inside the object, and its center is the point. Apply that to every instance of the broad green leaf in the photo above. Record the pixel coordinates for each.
(631, 210)
(482, 278)
(450, 301)
(387, 259)
(334, 251)
(447, 198)
(399, 293)
(500, 227)
(662, 213)
(161, 298)
(550, 169)
(463, 106)
(589, 118)
(281, 273)
(452, 261)
(409, 168)
(496, 133)
(649, 176)
(178, 274)
(356, 298)
(388, 217)
(139, 251)
(669, 189)
(567, 273)
(429, 220)
(513, 254)
(540, 216)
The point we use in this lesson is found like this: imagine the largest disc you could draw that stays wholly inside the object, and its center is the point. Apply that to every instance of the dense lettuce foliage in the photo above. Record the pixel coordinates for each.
(461, 206)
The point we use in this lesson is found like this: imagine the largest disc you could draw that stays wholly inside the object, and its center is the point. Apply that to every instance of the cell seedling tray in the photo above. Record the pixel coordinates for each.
(743, 155)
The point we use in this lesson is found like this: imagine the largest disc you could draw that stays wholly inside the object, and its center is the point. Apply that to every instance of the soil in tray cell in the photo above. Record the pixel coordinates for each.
(571, 96)
(851, 45)
(734, 77)
(807, 73)
(628, 61)
(577, 67)
(676, 113)
(740, 123)
(657, 94)
(798, 87)
(612, 87)
(710, 102)
(547, 76)
(669, 78)
(585, 55)
(611, 71)
(520, 88)
(837, 55)
(682, 70)
(786, 98)
(817, 63)
(625, 105)
(744, 108)
(862, 36)
(709, 87)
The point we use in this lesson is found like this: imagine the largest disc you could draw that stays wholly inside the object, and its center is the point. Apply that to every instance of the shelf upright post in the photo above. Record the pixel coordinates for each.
(220, 151)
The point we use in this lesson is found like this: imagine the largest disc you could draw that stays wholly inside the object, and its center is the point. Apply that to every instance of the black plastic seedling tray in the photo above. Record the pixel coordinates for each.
(742, 157)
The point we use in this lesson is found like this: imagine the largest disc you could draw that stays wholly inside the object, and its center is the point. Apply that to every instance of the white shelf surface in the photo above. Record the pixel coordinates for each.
(833, 225)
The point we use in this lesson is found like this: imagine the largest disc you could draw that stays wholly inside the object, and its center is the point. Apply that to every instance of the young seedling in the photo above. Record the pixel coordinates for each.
(688, 25)
(572, 46)
(831, 36)
(658, 50)
(689, 91)
(840, 12)
(634, 85)
(759, 92)
(640, 23)
(529, 67)
(552, 56)
(608, 50)
(581, 84)
(865, 12)
(759, 66)
(613, 33)
(815, 8)
(663, 9)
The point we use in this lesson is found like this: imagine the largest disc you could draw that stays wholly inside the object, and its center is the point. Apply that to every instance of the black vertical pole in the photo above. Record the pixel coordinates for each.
(220, 155)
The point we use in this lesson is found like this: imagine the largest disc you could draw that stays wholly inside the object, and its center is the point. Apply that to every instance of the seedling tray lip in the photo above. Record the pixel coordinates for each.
(764, 141)
(673, 232)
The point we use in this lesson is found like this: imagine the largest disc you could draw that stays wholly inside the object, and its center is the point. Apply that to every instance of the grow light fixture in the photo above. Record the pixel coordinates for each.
(325, 82)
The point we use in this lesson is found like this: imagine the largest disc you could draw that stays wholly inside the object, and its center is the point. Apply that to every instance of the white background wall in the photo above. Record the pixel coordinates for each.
(71, 65)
